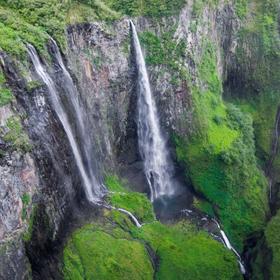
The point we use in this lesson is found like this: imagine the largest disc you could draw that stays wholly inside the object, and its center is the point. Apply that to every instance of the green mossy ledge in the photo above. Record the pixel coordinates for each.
(114, 248)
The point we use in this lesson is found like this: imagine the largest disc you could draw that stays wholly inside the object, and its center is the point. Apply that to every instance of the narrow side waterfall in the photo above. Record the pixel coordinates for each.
(230, 247)
(80, 120)
(94, 191)
(152, 146)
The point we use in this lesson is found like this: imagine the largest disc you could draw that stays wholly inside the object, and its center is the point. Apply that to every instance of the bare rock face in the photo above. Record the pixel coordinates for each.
(18, 183)
(101, 59)
(18, 179)
(14, 264)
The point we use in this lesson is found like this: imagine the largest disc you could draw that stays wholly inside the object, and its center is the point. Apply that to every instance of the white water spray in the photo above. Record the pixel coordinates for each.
(152, 146)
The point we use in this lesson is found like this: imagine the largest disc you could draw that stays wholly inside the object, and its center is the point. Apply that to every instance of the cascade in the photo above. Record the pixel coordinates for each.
(80, 118)
(94, 191)
(158, 167)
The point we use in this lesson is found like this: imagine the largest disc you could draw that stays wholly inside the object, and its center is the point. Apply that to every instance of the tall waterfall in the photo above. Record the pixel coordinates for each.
(93, 189)
(152, 146)
(80, 120)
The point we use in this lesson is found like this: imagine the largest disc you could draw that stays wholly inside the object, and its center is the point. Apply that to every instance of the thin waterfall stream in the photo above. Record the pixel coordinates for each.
(86, 145)
(93, 193)
(158, 167)
(230, 247)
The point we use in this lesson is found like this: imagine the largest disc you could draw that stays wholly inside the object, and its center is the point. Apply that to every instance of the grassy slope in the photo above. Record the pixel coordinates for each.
(185, 253)
(114, 248)
(94, 254)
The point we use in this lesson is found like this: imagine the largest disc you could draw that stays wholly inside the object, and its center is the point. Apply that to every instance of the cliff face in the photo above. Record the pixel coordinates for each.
(100, 57)
(196, 58)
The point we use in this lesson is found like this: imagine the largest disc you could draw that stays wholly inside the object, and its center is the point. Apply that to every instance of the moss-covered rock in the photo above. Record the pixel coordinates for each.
(273, 243)
(185, 253)
(16, 136)
(154, 8)
(94, 254)
(32, 21)
(6, 95)
(220, 156)
(115, 249)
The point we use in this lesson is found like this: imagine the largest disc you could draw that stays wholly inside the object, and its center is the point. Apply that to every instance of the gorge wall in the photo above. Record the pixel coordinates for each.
(214, 73)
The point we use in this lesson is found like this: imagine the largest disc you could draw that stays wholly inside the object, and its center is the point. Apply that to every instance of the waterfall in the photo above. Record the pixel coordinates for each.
(230, 247)
(93, 189)
(152, 146)
(80, 118)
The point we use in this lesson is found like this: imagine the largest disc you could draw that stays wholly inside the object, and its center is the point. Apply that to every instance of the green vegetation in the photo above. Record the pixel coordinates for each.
(32, 85)
(241, 8)
(115, 184)
(185, 253)
(199, 5)
(25, 203)
(152, 8)
(114, 248)
(163, 50)
(5, 94)
(220, 157)
(28, 233)
(204, 206)
(273, 243)
(263, 110)
(92, 253)
(166, 52)
(32, 21)
(15, 32)
(16, 136)
(137, 203)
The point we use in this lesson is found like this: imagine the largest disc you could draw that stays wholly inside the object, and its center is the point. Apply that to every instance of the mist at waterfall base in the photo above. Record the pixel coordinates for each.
(168, 195)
